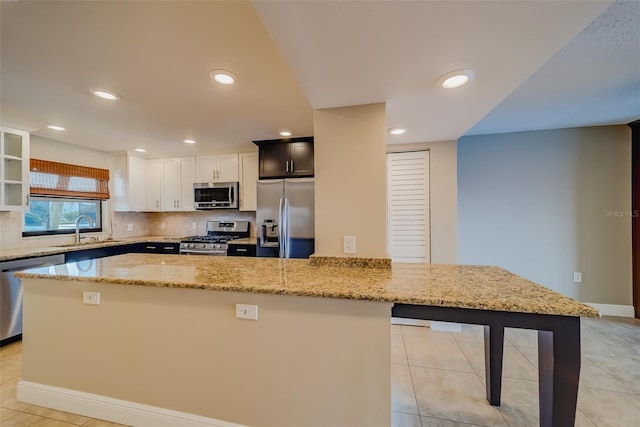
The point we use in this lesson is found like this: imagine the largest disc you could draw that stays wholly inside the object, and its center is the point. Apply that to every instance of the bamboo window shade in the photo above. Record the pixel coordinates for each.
(55, 179)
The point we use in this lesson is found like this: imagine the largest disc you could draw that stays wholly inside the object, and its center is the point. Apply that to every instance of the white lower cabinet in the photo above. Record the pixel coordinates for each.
(248, 181)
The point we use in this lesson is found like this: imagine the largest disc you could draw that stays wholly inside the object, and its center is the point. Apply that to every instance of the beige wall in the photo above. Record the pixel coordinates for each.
(304, 362)
(547, 204)
(443, 201)
(350, 165)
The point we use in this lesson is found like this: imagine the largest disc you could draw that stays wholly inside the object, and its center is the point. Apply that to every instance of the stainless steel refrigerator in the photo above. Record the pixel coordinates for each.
(285, 217)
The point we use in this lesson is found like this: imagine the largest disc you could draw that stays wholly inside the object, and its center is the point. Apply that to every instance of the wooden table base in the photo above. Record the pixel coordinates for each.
(558, 353)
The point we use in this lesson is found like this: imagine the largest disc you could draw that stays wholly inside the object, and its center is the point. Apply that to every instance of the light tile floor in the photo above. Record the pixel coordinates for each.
(438, 380)
(438, 377)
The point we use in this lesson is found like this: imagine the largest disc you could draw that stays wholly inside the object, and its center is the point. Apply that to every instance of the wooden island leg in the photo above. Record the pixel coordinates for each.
(493, 355)
(559, 372)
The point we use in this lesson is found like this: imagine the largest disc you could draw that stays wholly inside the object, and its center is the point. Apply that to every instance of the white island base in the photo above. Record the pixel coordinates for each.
(173, 356)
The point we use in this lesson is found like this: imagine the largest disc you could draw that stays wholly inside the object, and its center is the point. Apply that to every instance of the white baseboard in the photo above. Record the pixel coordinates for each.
(433, 324)
(613, 309)
(110, 409)
(409, 322)
(445, 326)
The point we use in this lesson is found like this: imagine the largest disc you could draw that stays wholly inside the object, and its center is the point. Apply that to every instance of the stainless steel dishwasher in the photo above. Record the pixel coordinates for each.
(11, 294)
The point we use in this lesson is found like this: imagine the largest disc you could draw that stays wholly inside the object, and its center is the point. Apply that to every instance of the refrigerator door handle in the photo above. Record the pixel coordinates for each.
(286, 228)
(281, 240)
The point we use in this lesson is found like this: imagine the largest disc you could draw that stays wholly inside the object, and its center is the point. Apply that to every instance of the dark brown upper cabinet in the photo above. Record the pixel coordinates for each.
(286, 158)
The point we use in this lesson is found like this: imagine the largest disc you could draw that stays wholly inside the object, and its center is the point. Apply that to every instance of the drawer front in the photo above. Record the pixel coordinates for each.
(159, 248)
(241, 250)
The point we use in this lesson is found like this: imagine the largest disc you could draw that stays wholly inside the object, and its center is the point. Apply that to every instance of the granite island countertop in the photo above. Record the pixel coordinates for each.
(462, 286)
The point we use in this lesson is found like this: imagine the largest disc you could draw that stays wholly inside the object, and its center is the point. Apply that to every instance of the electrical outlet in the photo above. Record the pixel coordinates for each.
(349, 245)
(91, 297)
(247, 311)
(577, 277)
(194, 226)
(129, 227)
(163, 225)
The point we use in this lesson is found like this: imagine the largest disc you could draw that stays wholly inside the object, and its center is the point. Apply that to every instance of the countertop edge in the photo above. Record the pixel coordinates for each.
(575, 308)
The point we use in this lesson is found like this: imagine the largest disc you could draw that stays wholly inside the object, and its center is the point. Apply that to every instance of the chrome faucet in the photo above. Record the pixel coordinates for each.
(89, 220)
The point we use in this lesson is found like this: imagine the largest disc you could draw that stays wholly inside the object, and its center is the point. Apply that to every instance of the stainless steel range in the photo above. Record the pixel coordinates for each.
(215, 241)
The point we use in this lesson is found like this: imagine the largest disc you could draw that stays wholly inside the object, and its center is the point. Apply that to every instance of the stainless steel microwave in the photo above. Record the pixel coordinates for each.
(215, 195)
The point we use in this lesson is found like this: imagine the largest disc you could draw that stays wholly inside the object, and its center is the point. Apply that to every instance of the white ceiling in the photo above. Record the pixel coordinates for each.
(535, 68)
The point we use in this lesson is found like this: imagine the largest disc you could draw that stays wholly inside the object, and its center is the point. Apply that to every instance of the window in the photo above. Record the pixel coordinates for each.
(60, 193)
(58, 216)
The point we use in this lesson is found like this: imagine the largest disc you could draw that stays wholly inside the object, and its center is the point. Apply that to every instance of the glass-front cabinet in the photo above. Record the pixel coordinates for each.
(14, 169)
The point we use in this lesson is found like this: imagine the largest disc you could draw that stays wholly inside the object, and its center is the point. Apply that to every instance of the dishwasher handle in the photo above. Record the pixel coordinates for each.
(23, 264)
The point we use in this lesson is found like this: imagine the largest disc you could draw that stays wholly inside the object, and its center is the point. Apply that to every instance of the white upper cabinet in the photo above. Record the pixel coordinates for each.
(130, 179)
(187, 175)
(170, 185)
(154, 185)
(220, 168)
(14, 169)
(177, 184)
(248, 181)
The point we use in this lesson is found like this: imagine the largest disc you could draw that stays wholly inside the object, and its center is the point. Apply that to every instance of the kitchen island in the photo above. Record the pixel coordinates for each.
(165, 336)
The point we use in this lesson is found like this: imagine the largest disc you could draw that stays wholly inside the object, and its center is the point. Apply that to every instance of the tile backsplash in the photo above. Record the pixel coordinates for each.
(173, 223)
(141, 224)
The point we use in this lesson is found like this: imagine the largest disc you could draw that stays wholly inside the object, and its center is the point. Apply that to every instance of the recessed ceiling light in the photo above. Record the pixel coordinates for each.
(105, 94)
(397, 130)
(285, 133)
(455, 78)
(189, 141)
(223, 76)
(141, 150)
(55, 127)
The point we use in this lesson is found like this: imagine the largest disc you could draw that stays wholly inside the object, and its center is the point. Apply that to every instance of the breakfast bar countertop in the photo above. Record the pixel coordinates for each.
(458, 286)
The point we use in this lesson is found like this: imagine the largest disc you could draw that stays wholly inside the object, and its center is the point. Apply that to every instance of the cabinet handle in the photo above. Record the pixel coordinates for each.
(287, 165)
(213, 174)
(178, 204)
(168, 248)
(241, 250)
(291, 165)
(150, 247)
(26, 201)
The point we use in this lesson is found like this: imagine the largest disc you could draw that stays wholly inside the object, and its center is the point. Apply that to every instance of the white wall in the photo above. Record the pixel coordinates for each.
(55, 151)
(350, 172)
(443, 201)
(545, 204)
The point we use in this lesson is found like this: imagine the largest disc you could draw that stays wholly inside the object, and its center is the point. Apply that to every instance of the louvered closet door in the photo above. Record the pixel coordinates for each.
(408, 206)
